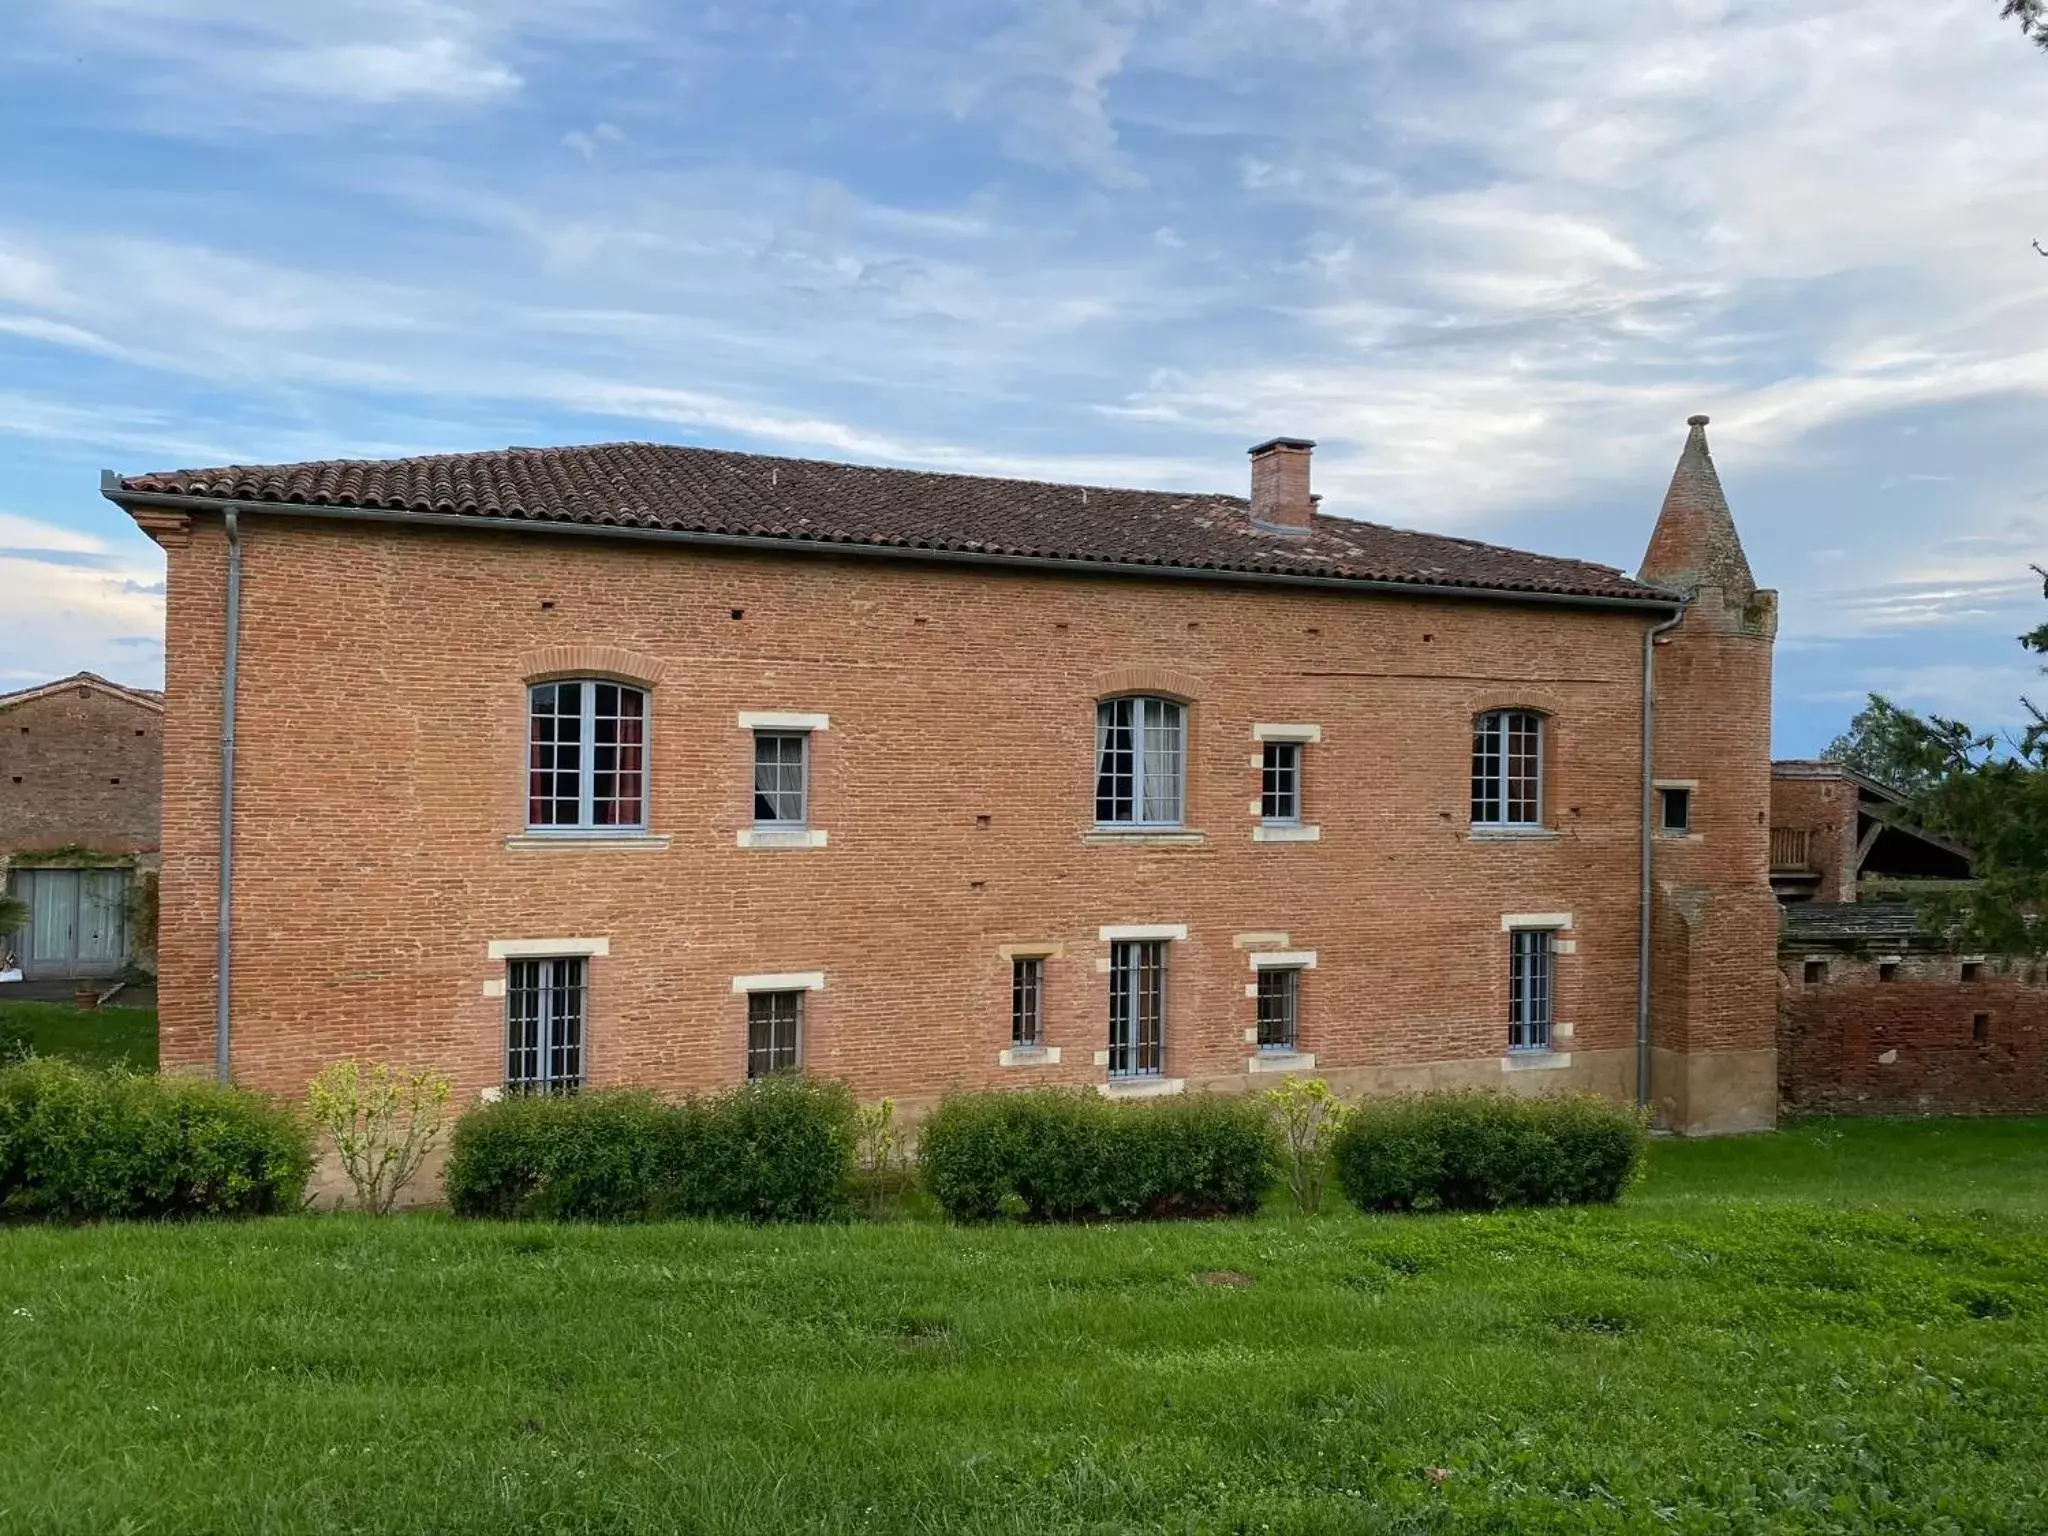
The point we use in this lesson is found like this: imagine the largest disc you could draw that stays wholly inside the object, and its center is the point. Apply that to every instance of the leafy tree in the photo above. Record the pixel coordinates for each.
(2032, 16)
(1897, 748)
(1988, 796)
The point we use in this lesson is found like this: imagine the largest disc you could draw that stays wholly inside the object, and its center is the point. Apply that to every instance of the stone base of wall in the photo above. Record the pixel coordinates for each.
(1715, 1093)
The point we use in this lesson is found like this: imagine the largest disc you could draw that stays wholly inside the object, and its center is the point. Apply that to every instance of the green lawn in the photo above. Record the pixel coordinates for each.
(104, 1037)
(1840, 1328)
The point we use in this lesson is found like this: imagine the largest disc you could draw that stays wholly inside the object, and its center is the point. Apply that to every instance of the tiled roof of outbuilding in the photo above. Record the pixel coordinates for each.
(710, 491)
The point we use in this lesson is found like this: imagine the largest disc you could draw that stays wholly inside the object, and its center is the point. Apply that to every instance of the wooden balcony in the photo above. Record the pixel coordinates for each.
(1788, 851)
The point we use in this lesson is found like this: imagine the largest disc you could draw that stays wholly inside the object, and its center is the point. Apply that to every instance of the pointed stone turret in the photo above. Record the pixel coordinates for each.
(1695, 544)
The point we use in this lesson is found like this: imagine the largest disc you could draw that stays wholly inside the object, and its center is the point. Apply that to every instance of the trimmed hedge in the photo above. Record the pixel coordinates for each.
(1476, 1151)
(780, 1149)
(81, 1145)
(1053, 1154)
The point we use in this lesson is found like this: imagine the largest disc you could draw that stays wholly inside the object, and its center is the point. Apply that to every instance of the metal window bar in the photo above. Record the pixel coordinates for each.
(586, 755)
(1507, 768)
(545, 1004)
(1279, 1008)
(1137, 1008)
(1280, 782)
(1140, 761)
(775, 1023)
(1530, 982)
(782, 778)
(1027, 1001)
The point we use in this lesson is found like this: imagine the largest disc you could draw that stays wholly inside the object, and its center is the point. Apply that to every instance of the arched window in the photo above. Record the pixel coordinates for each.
(1140, 761)
(586, 756)
(1507, 768)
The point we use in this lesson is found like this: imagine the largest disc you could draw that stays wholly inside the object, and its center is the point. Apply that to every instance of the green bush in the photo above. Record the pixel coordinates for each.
(1055, 1154)
(81, 1145)
(775, 1150)
(1480, 1151)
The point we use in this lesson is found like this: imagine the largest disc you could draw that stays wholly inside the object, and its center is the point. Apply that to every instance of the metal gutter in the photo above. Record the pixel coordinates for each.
(129, 500)
(224, 927)
(1648, 843)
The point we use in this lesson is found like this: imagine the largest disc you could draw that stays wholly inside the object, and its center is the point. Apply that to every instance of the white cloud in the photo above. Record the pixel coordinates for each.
(74, 600)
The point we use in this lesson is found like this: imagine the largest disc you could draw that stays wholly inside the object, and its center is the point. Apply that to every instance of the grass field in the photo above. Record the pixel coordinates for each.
(1841, 1328)
(105, 1037)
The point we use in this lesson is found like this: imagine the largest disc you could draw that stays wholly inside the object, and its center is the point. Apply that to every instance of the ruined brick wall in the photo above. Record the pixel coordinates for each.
(381, 774)
(82, 767)
(1923, 1042)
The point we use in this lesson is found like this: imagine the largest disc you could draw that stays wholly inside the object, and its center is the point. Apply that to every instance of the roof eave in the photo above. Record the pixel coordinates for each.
(1652, 601)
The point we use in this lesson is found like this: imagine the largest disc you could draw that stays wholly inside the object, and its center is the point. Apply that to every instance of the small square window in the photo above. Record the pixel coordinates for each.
(775, 1024)
(1816, 972)
(782, 778)
(1280, 782)
(1972, 971)
(1279, 1008)
(1027, 1001)
(1887, 972)
(1676, 819)
(1980, 1028)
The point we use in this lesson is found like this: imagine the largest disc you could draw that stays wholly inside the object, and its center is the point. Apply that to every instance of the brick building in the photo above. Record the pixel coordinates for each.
(1878, 1018)
(660, 765)
(81, 769)
(1836, 832)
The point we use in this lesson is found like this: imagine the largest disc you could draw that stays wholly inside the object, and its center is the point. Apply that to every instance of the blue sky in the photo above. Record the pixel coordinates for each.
(1489, 256)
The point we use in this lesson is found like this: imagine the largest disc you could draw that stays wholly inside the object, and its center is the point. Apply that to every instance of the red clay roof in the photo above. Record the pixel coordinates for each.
(710, 491)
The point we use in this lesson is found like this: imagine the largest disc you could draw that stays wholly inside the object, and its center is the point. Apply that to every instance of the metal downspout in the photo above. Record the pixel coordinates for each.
(223, 955)
(1643, 886)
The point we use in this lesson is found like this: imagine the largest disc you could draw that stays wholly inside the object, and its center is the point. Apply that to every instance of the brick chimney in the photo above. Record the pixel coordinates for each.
(1280, 494)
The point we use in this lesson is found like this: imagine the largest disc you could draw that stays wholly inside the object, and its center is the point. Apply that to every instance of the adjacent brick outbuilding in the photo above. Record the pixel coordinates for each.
(928, 782)
(81, 771)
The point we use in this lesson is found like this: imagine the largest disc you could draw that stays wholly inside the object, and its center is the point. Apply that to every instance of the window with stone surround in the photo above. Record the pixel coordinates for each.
(545, 1001)
(1140, 761)
(775, 1028)
(1027, 1001)
(1279, 1008)
(586, 757)
(1507, 768)
(1137, 1008)
(1531, 988)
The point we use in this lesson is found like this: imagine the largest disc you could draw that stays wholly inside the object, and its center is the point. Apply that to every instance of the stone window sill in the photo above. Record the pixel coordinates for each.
(1030, 1056)
(1512, 835)
(1535, 1061)
(782, 837)
(587, 842)
(1142, 1087)
(1144, 837)
(1282, 1061)
(1286, 832)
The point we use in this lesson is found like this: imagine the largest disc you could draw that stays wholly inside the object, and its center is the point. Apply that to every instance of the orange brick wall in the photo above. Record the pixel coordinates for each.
(1827, 810)
(382, 721)
(79, 767)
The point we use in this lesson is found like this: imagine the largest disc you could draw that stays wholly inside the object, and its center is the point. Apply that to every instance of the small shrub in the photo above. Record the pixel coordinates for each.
(1477, 1151)
(1309, 1116)
(383, 1123)
(1055, 1154)
(775, 1150)
(878, 1151)
(80, 1145)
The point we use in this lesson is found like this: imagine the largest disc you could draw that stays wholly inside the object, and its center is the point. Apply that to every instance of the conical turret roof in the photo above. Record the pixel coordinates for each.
(1695, 544)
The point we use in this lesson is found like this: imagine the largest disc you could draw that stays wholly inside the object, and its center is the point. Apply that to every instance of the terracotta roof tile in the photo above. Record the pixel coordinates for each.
(704, 490)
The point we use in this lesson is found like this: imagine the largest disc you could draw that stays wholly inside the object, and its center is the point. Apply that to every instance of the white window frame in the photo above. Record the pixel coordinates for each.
(1291, 751)
(586, 755)
(1490, 764)
(1142, 705)
(1127, 998)
(551, 974)
(803, 739)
